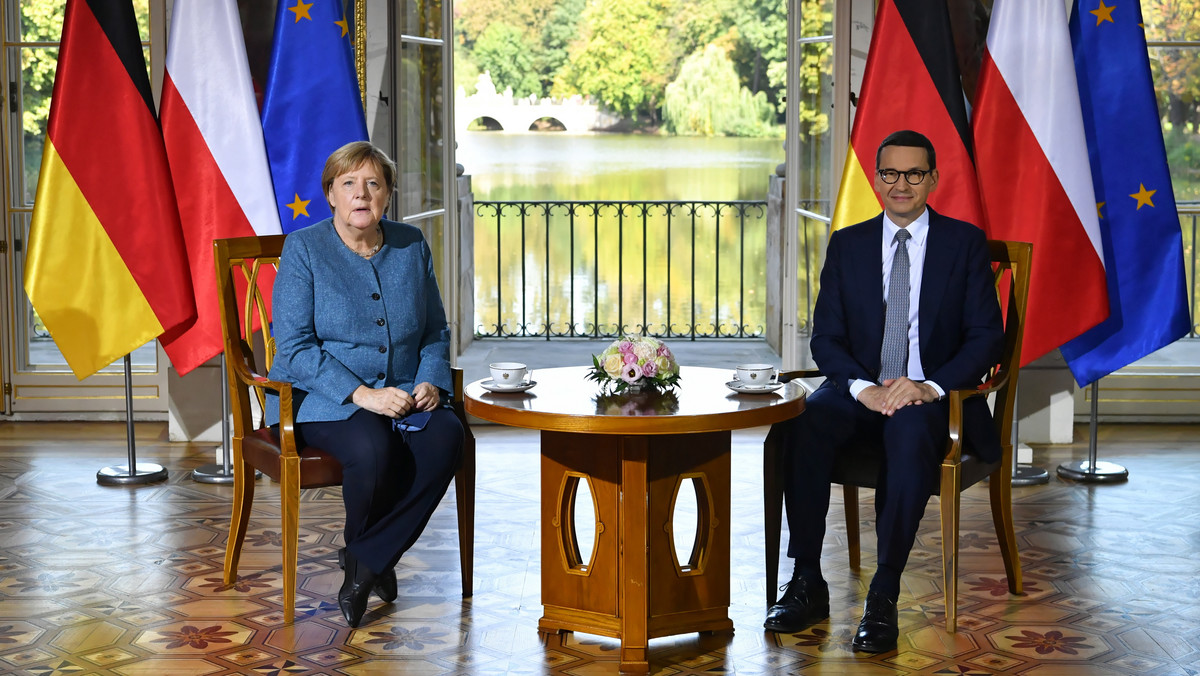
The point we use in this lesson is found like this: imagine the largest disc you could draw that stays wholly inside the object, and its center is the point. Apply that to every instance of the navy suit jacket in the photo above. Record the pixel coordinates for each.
(961, 330)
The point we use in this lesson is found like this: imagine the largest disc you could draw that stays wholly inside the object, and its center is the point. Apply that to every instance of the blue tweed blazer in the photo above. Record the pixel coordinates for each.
(341, 321)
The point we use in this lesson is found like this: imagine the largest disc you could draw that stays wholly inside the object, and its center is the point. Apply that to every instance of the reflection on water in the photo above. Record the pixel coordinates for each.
(554, 166)
(589, 270)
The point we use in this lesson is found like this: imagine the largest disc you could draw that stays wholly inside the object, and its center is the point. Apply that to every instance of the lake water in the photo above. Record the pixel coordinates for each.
(556, 166)
(670, 271)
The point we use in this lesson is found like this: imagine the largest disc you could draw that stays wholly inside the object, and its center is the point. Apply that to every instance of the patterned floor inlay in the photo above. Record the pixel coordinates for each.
(128, 581)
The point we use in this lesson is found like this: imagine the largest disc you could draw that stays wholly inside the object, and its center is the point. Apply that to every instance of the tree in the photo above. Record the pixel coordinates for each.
(560, 31)
(619, 59)
(707, 99)
(503, 52)
(1176, 70)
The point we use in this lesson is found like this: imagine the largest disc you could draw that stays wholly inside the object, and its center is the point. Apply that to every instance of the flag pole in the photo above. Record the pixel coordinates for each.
(134, 472)
(1092, 471)
(222, 473)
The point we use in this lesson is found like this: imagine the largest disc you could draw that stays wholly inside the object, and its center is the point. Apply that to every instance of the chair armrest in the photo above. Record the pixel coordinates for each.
(785, 376)
(957, 397)
(247, 378)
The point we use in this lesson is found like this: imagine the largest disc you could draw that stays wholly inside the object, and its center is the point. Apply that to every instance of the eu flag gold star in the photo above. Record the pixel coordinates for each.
(299, 207)
(344, 24)
(301, 10)
(1100, 210)
(1143, 196)
(1104, 13)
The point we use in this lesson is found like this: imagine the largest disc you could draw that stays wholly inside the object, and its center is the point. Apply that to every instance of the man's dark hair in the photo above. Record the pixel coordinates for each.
(909, 139)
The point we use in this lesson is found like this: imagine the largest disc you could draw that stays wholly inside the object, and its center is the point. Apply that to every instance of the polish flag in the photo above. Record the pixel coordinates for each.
(1032, 161)
(218, 161)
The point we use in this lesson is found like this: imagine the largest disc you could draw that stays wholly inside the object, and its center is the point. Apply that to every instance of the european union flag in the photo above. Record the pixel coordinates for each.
(312, 104)
(1143, 245)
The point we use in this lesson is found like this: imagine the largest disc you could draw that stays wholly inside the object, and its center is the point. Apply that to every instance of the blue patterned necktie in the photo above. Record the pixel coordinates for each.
(893, 356)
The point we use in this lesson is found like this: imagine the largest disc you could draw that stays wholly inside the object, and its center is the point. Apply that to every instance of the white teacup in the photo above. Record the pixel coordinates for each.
(507, 373)
(755, 375)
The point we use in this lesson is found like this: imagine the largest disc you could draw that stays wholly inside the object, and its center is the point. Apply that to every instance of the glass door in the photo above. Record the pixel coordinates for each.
(37, 380)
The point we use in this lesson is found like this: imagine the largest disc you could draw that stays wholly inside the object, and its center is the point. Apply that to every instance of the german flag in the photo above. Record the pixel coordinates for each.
(106, 268)
(911, 82)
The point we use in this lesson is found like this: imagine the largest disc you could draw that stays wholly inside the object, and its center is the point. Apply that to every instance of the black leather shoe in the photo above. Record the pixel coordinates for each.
(878, 630)
(802, 604)
(355, 591)
(385, 583)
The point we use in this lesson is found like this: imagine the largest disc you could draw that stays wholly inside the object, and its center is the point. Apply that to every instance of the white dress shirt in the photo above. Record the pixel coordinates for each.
(919, 229)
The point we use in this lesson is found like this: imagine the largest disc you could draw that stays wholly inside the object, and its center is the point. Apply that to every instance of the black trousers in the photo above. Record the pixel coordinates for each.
(913, 442)
(391, 481)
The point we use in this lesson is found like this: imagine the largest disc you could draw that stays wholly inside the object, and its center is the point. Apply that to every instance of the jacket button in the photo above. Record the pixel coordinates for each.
(380, 321)
(374, 296)
(382, 349)
(381, 376)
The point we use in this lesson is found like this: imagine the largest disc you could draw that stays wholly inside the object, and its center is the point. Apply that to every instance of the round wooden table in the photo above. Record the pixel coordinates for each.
(634, 586)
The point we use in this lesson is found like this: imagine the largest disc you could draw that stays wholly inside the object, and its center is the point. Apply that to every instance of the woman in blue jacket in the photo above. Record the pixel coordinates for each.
(361, 333)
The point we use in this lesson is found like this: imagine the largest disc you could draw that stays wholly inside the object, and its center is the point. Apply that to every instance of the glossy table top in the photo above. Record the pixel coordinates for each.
(564, 400)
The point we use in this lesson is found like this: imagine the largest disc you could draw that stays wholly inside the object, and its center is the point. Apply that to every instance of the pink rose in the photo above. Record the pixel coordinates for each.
(630, 358)
(625, 346)
(649, 369)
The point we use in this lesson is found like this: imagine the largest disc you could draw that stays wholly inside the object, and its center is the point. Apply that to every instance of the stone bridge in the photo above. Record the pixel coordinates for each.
(518, 115)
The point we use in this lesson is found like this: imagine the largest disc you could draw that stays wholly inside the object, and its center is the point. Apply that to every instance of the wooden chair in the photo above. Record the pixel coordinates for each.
(858, 466)
(245, 263)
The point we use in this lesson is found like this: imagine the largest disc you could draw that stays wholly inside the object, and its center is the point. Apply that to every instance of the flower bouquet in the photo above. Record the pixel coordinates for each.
(633, 364)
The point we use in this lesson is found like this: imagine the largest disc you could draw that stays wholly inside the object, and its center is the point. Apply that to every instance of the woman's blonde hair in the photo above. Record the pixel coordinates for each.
(352, 156)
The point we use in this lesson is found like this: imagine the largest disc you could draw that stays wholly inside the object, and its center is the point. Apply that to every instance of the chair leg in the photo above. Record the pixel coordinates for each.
(853, 542)
(289, 503)
(1000, 488)
(949, 501)
(243, 499)
(772, 508)
(464, 493)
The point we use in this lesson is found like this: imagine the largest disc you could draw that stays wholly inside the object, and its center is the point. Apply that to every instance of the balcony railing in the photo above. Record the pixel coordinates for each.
(599, 269)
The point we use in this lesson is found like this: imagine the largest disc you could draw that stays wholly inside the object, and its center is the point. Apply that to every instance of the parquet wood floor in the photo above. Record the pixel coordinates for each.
(103, 580)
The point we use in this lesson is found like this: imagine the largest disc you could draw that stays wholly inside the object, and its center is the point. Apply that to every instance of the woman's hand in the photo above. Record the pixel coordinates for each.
(390, 401)
(426, 396)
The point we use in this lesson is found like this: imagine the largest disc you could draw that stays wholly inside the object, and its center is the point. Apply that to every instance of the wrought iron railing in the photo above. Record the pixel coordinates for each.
(599, 269)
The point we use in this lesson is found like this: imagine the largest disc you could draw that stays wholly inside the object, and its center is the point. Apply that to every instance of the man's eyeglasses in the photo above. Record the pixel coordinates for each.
(912, 176)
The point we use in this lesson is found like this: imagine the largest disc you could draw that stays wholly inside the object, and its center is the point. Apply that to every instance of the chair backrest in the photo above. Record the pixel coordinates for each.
(246, 263)
(1010, 262)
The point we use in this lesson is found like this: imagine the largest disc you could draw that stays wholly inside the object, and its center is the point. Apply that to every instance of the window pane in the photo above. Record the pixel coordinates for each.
(1177, 81)
(41, 21)
(37, 84)
(422, 18)
(422, 147)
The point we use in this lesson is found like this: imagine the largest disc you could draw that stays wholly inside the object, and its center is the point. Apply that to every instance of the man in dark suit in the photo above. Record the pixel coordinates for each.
(907, 312)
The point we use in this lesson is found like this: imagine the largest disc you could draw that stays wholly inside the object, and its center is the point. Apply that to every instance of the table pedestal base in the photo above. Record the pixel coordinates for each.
(635, 586)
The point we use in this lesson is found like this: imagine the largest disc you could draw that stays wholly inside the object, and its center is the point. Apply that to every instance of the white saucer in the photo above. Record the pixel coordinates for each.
(740, 388)
(490, 386)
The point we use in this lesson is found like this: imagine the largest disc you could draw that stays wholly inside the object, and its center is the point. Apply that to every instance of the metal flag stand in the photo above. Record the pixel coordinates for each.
(222, 473)
(1091, 470)
(134, 472)
(1024, 475)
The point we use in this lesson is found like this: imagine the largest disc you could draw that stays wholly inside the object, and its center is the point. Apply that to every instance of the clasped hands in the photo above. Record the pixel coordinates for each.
(395, 402)
(895, 394)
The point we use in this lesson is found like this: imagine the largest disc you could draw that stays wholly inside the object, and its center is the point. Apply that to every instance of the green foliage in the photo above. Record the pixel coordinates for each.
(502, 51)
(545, 29)
(561, 30)
(619, 59)
(708, 100)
